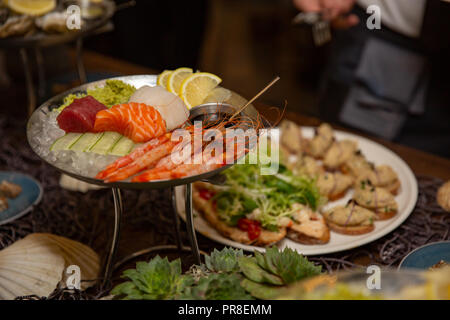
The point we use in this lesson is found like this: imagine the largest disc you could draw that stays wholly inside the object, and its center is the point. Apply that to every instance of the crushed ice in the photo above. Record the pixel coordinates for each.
(45, 131)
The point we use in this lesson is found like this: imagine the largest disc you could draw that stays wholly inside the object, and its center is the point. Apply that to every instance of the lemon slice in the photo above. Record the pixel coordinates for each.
(197, 87)
(218, 95)
(163, 77)
(32, 7)
(176, 78)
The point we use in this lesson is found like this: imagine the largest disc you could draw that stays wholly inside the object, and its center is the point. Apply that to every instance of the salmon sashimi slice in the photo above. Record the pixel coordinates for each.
(137, 121)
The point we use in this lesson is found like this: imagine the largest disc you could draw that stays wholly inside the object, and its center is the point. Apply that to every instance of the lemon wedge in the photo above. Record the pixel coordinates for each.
(196, 87)
(32, 7)
(163, 77)
(176, 78)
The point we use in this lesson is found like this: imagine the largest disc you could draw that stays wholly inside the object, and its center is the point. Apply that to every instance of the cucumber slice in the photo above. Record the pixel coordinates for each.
(122, 147)
(86, 141)
(66, 141)
(106, 143)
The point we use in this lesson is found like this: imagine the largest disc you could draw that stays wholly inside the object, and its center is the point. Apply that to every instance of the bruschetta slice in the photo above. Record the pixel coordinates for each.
(304, 164)
(380, 200)
(350, 219)
(381, 176)
(356, 165)
(339, 153)
(291, 137)
(334, 185)
(309, 227)
(321, 142)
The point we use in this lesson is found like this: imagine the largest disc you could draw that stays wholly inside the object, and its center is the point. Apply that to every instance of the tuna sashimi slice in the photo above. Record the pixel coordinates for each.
(79, 116)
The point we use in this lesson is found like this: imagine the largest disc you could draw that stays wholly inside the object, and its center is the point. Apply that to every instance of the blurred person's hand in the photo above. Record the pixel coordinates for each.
(335, 11)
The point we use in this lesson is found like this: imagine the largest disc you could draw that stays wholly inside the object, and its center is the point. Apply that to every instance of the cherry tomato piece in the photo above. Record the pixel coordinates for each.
(206, 194)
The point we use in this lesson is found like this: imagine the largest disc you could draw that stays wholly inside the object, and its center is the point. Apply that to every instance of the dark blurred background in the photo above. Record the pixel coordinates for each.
(247, 43)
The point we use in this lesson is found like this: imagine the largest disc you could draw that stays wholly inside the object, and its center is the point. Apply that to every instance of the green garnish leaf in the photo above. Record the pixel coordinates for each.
(112, 93)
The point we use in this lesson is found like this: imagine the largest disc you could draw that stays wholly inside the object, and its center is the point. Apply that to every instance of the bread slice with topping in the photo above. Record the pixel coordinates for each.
(209, 212)
(309, 227)
(350, 219)
(379, 200)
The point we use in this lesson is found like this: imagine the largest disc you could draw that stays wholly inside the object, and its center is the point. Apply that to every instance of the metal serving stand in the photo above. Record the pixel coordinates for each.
(40, 39)
(211, 176)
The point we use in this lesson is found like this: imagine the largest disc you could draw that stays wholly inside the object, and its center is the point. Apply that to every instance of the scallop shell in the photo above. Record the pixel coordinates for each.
(30, 267)
(36, 265)
(76, 253)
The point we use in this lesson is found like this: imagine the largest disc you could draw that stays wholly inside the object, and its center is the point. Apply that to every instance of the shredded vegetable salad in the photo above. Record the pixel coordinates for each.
(264, 198)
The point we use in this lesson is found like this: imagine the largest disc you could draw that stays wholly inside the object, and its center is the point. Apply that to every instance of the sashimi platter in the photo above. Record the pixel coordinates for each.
(120, 132)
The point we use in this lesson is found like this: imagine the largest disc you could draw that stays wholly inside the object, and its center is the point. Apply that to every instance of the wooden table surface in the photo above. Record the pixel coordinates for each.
(422, 163)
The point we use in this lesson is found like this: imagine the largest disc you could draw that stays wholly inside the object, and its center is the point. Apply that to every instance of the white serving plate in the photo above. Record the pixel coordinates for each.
(375, 153)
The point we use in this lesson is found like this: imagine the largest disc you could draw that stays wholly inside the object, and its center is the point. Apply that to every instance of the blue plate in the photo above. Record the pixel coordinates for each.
(427, 256)
(31, 195)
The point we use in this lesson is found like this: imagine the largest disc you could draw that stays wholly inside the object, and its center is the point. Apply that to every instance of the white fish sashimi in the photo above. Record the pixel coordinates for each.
(170, 106)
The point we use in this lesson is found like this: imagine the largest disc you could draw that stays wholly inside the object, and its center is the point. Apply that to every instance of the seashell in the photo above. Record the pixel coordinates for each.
(30, 267)
(36, 265)
(53, 22)
(4, 13)
(73, 184)
(16, 26)
(76, 253)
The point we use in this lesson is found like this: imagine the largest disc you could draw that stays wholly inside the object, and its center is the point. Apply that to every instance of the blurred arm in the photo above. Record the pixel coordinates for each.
(335, 11)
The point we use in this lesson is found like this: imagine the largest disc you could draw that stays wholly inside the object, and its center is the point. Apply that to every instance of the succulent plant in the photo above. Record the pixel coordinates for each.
(157, 279)
(256, 273)
(289, 265)
(267, 274)
(226, 274)
(217, 286)
(225, 260)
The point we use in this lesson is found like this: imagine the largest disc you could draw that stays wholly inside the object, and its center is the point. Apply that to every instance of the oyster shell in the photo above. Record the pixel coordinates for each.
(17, 26)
